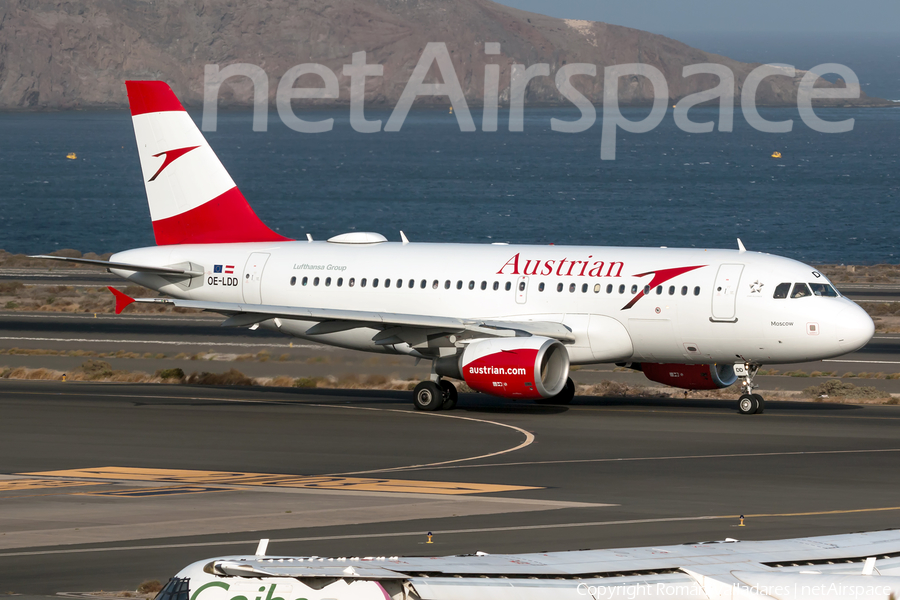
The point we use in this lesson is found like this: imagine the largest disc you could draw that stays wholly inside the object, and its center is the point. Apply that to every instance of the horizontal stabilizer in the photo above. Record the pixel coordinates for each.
(123, 266)
(122, 299)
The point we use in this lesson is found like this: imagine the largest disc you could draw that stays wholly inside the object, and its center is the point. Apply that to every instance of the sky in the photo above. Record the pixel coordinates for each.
(739, 16)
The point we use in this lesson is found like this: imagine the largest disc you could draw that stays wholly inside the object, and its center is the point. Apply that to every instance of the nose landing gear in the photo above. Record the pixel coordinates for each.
(749, 403)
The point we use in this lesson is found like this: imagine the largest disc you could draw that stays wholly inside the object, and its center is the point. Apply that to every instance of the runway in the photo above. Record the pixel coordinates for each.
(114, 484)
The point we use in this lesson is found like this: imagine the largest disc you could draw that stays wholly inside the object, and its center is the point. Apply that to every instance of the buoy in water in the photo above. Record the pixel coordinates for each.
(71, 155)
(776, 155)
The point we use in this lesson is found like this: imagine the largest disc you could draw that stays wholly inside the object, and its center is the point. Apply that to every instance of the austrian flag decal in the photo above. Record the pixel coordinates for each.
(228, 269)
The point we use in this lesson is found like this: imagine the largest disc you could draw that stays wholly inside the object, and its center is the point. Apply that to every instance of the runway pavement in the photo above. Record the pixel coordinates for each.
(105, 485)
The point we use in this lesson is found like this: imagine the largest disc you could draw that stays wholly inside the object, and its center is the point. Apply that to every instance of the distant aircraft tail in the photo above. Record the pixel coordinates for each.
(192, 198)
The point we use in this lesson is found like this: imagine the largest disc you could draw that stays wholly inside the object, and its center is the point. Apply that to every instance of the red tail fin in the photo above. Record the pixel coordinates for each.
(192, 198)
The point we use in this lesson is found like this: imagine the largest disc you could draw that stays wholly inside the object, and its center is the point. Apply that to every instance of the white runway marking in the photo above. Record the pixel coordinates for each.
(864, 362)
(529, 439)
(657, 458)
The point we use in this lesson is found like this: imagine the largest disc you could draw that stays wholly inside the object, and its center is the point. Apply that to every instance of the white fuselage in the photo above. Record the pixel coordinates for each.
(712, 306)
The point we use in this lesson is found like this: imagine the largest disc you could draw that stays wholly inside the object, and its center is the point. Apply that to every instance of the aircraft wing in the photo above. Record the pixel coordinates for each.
(396, 327)
(186, 272)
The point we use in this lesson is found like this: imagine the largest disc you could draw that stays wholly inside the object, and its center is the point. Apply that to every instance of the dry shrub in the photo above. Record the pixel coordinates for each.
(281, 381)
(150, 587)
(96, 369)
(613, 389)
(229, 377)
(169, 374)
(842, 390)
(10, 287)
(306, 382)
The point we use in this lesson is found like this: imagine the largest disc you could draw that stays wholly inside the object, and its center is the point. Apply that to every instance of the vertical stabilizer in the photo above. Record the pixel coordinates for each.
(192, 198)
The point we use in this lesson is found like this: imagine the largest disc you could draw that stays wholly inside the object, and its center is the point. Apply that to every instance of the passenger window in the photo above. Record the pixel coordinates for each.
(684, 290)
(293, 281)
(316, 281)
(508, 286)
(304, 281)
(412, 284)
(459, 284)
(781, 291)
(496, 285)
(541, 286)
(608, 289)
(424, 283)
(658, 290)
(634, 289)
(584, 287)
(597, 288)
(571, 287)
(471, 285)
(697, 290)
(522, 286)
(559, 287)
(387, 282)
(671, 290)
(447, 285)
(434, 284)
(646, 289)
(484, 285)
(327, 281)
(352, 281)
(823, 289)
(362, 282)
(375, 282)
(340, 281)
(622, 289)
(801, 290)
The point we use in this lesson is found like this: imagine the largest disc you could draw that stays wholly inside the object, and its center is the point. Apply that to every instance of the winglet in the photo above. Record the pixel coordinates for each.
(122, 300)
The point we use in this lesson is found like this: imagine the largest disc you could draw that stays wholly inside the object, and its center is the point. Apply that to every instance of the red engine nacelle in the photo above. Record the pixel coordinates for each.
(690, 377)
(520, 367)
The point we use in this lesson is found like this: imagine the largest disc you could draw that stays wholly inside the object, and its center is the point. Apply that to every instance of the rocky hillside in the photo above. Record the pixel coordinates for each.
(58, 54)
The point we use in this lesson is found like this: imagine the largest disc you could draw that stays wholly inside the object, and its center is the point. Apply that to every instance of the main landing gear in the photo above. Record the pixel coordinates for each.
(749, 403)
(439, 395)
(563, 397)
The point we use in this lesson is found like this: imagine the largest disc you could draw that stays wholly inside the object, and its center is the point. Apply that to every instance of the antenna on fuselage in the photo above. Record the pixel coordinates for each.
(309, 237)
(741, 248)
(403, 238)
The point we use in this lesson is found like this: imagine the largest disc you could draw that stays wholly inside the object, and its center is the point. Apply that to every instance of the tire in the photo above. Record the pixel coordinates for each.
(563, 397)
(748, 405)
(428, 396)
(450, 395)
(762, 404)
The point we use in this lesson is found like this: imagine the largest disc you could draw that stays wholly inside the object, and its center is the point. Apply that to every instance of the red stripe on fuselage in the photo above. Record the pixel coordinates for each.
(151, 96)
(227, 219)
(659, 277)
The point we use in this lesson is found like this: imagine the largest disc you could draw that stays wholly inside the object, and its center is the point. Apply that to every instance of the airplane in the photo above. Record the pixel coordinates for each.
(508, 320)
(859, 566)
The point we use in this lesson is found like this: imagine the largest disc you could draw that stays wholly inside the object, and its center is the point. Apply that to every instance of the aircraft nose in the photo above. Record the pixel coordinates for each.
(854, 328)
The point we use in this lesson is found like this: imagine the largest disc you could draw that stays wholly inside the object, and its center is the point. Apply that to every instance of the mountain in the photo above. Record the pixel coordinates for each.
(63, 54)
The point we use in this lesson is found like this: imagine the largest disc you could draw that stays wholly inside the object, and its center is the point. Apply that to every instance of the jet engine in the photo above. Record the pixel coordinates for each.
(517, 367)
(689, 377)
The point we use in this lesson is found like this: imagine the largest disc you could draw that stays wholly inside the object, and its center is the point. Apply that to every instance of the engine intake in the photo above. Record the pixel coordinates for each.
(519, 367)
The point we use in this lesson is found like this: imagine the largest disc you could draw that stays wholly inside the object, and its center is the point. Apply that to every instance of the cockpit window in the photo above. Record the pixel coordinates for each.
(781, 291)
(177, 589)
(823, 289)
(801, 290)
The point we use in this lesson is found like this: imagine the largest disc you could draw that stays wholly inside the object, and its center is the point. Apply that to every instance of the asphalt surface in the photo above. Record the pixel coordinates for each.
(601, 473)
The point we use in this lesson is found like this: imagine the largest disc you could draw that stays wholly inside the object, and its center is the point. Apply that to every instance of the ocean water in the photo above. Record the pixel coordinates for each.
(831, 198)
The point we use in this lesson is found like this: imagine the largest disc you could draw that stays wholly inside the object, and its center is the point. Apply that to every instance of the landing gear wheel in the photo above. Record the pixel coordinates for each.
(450, 395)
(563, 397)
(428, 396)
(748, 405)
(762, 403)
